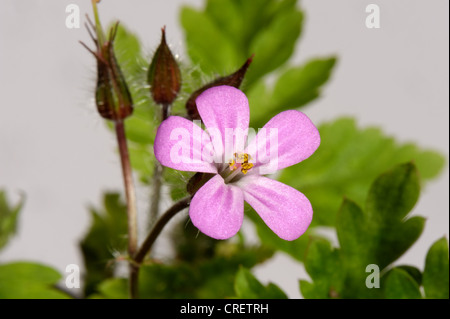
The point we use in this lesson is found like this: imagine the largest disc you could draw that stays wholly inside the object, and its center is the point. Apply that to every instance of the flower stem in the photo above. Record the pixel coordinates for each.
(165, 111)
(131, 202)
(156, 192)
(158, 227)
(158, 171)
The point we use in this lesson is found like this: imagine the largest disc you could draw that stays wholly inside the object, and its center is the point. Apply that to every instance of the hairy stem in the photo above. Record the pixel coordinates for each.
(134, 281)
(131, 202)
(165, 111)
(158, 171)
(158, 227)
(156, 192)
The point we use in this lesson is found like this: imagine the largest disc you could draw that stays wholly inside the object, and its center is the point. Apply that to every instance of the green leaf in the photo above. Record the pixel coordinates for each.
(391, 197)
(225, 33)
(436, 273)
(310, 291)
(127, 47)
(8, 218)
(177, 181)
(114, 288)
(23, 280)
(248, 287)
(323, 266)
(274, 44)
(294, 88)
(142, 160)
(346, 163)
(355, 252)
(351, 230)
(227, 15)
(378, 235)
(400, 285)
(393, 194)
(207, 44)
(414, 272)
(105, 239)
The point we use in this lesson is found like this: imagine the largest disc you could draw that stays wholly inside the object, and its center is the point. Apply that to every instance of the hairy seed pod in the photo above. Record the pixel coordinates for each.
(112, 96)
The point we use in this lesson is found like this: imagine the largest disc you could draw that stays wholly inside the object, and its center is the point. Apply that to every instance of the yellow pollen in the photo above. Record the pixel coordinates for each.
(241, 159)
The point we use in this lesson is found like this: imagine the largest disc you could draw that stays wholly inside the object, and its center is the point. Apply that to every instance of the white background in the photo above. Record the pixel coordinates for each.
(56, 149)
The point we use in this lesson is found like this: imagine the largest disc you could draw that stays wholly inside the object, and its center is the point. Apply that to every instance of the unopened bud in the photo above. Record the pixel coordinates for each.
(164, 75)
(235, 79)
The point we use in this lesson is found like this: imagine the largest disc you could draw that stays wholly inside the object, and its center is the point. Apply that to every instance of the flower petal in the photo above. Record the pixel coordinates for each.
(179, 144)
(289, 138)
(284, 209)
(217, 209)
(221, 108)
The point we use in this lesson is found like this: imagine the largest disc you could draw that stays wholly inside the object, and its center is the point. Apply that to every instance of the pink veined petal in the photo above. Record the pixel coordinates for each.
(295, 138)
(217, 209)
(224, 110)
(179, 144)
(284, 209)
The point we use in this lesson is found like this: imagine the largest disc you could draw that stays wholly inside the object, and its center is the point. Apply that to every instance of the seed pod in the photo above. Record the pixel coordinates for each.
(124, 106)
(104, 93)
(112, 97)
(235, 79)
(164, 75)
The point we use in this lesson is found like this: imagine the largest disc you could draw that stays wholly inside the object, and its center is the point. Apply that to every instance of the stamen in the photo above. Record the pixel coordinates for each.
(240, 160)
(245, 167)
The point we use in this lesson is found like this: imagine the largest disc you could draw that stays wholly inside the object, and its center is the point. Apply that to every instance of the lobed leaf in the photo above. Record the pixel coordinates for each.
(414, 272)
(226, 32)
(391, 197)
(323, 266)
(207, 45)
(377, 235)
(274, 45)
(436, 273)
(400, 285)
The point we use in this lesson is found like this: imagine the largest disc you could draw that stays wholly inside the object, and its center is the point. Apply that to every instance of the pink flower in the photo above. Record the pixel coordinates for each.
(217, 208)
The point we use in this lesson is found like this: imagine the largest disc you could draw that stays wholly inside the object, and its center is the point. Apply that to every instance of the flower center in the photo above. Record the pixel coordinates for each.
(238, 164)
(241, 160)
